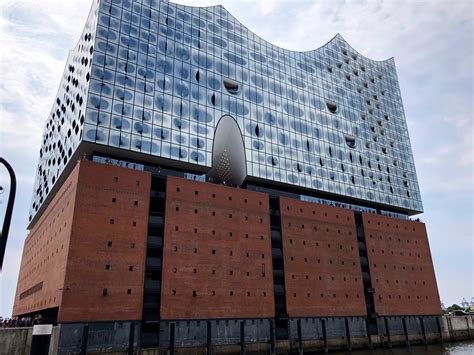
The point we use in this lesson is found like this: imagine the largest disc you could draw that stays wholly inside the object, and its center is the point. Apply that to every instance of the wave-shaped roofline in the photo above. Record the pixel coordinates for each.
(337, 36)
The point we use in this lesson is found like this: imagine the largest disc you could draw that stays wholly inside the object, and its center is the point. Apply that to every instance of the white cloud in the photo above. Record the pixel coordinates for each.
(35, 42)
(266, 6)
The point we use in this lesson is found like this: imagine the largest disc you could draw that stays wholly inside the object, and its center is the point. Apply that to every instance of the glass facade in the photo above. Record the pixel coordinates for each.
(155, 78)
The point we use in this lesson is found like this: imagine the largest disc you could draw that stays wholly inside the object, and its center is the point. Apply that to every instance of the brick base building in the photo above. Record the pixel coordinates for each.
(143, 245)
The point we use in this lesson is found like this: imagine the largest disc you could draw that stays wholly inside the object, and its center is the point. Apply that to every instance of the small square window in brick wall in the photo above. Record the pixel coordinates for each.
(321, 257)
(94, 241)
(400, 266)
(224, 266)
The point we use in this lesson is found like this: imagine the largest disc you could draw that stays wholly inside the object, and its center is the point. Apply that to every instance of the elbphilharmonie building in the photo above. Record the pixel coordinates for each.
(205, 187)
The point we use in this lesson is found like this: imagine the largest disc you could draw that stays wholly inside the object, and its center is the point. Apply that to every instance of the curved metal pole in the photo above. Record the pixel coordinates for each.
(8, 212)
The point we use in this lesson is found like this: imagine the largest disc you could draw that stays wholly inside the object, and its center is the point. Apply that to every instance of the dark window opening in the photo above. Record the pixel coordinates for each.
(332, 106)
(231, 86)
(350, 141)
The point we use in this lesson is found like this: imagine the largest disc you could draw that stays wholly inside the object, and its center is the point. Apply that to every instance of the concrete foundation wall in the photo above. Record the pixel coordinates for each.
(458, 327)
(191, 336)
(17, 341)
(312, 333)
(223, 332)
(102, 337)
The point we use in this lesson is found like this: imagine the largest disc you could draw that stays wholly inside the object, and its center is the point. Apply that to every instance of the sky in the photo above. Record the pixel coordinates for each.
(432, 42)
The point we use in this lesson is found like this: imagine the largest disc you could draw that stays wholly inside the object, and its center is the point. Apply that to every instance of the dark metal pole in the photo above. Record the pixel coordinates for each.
(325, 340)
(348, 334)
(172, 330)
(404, 323)
(8, 212)
(387, 331)
(369, 336)
(438, 325)
(85, 336)
(209, 338)
(300, 336)
(272, 338)
(131, 338)
(242, 337)
(422, 324)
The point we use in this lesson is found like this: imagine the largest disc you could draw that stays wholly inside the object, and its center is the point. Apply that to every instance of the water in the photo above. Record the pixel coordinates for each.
(458, 348)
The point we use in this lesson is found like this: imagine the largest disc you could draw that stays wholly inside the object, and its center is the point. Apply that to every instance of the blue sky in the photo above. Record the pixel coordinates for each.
(431, 41)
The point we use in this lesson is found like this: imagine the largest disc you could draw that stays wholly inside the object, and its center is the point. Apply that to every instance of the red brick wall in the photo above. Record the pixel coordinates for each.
(321, 258)
(400, 266)
(217, 242)
(89, 253)
(45, 252)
